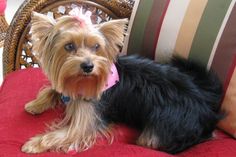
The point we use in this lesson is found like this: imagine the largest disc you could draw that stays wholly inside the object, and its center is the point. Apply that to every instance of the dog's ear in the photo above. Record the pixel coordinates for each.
(40, 25)
(114, 32)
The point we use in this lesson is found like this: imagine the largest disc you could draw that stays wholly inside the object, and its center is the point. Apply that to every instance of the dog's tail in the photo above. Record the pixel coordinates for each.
(211, 93)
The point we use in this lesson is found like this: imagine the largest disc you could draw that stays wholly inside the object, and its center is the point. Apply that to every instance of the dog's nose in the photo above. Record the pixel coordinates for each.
(87, 67)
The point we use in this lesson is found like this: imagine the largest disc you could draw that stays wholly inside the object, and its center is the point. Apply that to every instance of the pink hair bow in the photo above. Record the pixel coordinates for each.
(84, 18)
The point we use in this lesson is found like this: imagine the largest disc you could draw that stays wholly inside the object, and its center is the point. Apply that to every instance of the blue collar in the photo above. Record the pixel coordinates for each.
(65, 99)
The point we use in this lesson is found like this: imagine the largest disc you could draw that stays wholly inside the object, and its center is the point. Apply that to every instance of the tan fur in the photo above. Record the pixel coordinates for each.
(114, 33)
(70, 81)
(147, 139)
(81, 125)
(77, 131)
(47, 98)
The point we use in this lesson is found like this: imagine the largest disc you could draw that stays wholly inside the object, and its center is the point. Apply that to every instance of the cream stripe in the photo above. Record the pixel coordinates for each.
(170, 28)
(220, 33)
(189, 27)
(131, 21)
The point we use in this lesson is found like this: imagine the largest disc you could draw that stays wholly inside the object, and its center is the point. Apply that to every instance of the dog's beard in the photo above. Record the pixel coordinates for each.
(81, 86)
(77, 84)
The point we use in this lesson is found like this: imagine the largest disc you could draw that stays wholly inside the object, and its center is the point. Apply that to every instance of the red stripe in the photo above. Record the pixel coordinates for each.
(159, 27)
(154, 19)
(226, 48)
(230, 74)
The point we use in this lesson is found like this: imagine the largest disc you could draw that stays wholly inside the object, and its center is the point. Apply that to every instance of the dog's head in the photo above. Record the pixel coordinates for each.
(75, 56)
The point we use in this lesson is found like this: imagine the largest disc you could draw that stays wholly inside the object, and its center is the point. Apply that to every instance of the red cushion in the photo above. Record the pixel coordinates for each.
(2, 6)
(17, 126)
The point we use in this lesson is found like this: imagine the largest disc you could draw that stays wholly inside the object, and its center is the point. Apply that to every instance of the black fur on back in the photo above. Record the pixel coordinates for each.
(179, 102)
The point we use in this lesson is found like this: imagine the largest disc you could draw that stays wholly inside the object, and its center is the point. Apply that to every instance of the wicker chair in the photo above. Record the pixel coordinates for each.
(3, 29)
(3, 22)
(17, 45)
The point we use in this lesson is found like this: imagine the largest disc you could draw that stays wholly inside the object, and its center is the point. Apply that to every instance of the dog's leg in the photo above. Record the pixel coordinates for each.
(62, 139)
(149, 139)
(77, 131)
(46, 98)
(52, 140)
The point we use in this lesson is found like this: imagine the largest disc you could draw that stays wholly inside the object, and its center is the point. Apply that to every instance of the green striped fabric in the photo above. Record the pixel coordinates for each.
(208, 29)
(138, 28)
(200, 30)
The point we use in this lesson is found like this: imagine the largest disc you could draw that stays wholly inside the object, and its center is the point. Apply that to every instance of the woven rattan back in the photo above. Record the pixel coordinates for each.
(3, 29)
(17, 52)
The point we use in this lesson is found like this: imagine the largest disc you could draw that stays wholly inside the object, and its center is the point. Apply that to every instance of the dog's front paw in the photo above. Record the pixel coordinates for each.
(33, 146)
(34, 108)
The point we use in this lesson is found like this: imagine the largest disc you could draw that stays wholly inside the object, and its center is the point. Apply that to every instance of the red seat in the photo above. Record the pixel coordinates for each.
(17, 126)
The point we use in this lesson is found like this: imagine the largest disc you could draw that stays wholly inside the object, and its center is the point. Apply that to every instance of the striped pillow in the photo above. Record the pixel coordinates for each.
(201, 30)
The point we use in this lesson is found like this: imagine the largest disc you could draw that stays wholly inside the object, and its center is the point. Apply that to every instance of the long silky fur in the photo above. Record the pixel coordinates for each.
(174, 105)
(82, 123)
(83, 126)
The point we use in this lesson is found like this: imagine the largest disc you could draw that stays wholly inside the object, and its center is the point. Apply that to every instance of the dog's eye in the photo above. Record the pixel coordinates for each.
(96, 47)
(70, 47)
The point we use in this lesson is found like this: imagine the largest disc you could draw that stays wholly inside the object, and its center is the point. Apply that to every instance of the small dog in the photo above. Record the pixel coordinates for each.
(174, 105)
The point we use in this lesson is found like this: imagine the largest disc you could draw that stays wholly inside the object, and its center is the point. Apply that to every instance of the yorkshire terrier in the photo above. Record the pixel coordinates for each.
(174, 105)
